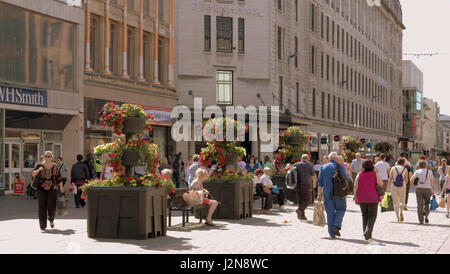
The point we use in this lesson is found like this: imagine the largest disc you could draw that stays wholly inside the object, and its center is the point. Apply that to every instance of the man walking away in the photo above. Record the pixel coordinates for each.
(424, 190)
(305, 179)
(383, 169)
(79, 176)
(335, 207)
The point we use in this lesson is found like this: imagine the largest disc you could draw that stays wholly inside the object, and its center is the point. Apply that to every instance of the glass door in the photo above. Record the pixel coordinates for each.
(30, 159)
(55, 148)
(12, 164)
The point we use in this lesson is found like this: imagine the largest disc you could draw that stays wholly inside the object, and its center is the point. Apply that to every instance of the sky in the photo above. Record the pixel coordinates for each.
(427, 31)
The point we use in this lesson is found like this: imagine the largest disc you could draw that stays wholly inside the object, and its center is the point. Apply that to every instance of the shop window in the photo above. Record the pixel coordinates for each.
(30, 155)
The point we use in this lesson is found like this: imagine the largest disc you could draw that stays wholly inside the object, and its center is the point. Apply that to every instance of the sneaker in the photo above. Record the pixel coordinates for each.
(426, 220)
(282, 208)
(405, 209)
(289, 203)
(401, 217)
(303, 218)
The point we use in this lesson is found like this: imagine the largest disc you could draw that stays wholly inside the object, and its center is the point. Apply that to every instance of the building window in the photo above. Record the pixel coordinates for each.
(160, 10)
(313, 59)
(130, 4)
(146, 8)
(224, 34)
(296, 10)
(281, 92)
(161, 61)
(321, 64)
(323, 105)
(147, 48)
(280, 5)
(296, 51)
(321, 25)
(207, 23)
(130, 53)
(314, 102)
(224, 86)
(241, 44)
(297, 90)
(329, 106)
(313, 18)
(280, 43)
(94, 43)
(328, 67)
(112, 48)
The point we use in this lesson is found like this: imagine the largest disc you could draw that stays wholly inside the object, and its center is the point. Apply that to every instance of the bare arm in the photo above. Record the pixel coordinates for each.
(355, 189)
(391, 176)
(379, 182)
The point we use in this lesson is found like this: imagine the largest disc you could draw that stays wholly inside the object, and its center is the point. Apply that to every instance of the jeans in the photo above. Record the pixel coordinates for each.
(304, 196)
(47, 206)
(423, 202)
(369, 215)
(335, 209)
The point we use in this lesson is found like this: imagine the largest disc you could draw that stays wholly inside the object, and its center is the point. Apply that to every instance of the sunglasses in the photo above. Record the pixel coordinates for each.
(48, 156)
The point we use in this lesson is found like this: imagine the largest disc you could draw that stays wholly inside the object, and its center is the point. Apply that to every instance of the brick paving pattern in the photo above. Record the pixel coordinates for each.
(278, 233)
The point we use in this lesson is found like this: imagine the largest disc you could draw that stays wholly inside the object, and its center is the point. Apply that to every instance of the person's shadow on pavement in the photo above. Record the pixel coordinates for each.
(67, 232)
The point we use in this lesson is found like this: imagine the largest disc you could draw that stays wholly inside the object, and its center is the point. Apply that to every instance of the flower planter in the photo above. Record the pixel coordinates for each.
(133, 125)
(127, 213)
(130, 158)
(235, 198)
(280, 181)
(295, 140)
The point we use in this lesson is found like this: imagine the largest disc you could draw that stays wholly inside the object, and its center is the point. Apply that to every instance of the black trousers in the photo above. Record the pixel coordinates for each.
(304, 196)
(46, 205)
(268, 200)
(369, 215)
(78, 201)
(407, 194)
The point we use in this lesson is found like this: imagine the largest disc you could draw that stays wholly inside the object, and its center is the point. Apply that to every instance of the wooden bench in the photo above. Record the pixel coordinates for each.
(186, 209)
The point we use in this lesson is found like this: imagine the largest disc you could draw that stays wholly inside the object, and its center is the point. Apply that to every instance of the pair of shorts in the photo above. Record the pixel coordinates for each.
(447, 191)
(206, 201)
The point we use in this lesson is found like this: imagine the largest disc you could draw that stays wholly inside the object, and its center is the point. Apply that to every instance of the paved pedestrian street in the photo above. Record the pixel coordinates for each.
(278, 233)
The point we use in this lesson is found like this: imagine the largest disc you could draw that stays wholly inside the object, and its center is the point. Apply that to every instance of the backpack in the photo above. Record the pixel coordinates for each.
(291, 178)
(399, 178)
(340, 185)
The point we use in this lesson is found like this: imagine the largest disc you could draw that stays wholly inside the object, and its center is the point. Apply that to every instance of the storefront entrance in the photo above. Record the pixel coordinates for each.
(23, 149)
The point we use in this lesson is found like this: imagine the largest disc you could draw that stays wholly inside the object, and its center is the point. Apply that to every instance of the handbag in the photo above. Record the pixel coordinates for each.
(441, 202)
(319, 216)
(380, 190)
(193, 197)
(433, 204)
(275, 190)
(387, 204)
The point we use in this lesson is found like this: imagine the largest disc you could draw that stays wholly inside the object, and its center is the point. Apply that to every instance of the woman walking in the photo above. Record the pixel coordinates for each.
(442, 171)
(367, 196)
(398, 179)
(446, 191)
(49, 182)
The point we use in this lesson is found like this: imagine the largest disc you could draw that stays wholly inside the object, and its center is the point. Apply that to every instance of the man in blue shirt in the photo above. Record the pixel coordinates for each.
(334, 207)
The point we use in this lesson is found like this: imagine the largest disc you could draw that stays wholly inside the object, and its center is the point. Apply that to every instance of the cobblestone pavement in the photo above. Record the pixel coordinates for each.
(280, 232)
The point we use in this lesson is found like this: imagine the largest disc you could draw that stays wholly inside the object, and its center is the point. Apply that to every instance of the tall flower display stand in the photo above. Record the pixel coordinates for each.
(126, 206)
(232, 189)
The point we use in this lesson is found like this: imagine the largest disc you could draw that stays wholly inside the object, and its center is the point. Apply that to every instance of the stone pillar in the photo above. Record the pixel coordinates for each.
(171, 45)
(141, 41)
(155, 46)
(124, 41)
(107, 38)
(88, 37)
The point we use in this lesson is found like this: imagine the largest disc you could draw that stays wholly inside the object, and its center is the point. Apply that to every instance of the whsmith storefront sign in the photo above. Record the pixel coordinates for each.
(22, 96)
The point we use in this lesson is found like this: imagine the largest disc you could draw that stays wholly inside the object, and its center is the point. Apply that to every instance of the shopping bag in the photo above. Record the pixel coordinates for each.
(387, 204)
(61, 205)
(193, 198)
(441, 202)
(319, 215)
(433, 204)
(73, 189)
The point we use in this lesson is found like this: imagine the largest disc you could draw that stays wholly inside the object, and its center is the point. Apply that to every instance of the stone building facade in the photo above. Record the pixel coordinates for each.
(333, 67)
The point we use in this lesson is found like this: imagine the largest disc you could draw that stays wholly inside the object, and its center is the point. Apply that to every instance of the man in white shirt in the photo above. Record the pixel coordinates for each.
(383, 169)
(193, 168)
(356, 166)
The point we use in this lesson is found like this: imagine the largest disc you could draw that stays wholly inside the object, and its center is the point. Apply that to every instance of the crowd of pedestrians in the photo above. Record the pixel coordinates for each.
(368, 179)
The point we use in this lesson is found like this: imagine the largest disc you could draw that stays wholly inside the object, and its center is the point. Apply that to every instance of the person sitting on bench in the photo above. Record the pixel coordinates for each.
(201, 175)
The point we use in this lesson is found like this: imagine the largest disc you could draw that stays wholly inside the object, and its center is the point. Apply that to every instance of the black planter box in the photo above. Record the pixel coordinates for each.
(127, 213)
(235, 198)
(280, 181)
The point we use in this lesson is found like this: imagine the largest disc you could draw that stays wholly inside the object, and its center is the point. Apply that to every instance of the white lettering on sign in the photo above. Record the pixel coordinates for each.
(12, 95)
(74, 3)
(227, 8)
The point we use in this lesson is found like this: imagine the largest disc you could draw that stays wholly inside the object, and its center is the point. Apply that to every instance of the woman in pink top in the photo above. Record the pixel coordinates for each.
(367, 196)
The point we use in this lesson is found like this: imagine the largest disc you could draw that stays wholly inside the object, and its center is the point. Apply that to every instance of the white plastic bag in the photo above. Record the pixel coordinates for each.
(74, 189)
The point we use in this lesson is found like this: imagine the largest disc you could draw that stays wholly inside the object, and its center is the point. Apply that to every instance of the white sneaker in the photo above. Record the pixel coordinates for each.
(282, 208)
(289, 203)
